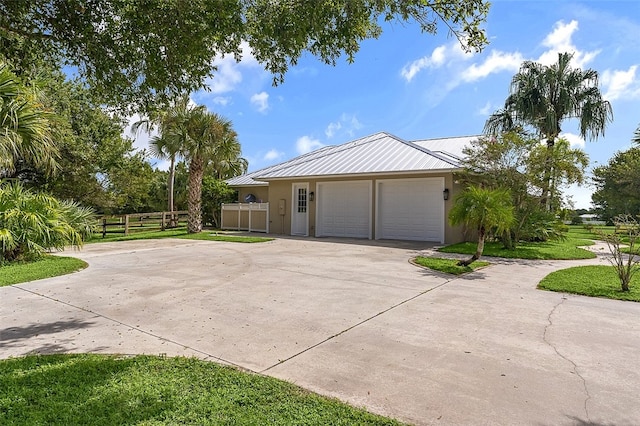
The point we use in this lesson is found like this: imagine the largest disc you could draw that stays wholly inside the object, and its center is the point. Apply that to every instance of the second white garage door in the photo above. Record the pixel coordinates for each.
(344, 209)
(410, 209)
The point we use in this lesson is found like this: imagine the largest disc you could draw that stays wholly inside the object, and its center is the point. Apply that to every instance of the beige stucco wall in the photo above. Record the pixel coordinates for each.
(282, 190)
(261, 193)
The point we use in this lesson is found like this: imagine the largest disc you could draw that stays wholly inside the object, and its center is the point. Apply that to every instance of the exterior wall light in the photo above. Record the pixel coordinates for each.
(312, 196)
(445, 194)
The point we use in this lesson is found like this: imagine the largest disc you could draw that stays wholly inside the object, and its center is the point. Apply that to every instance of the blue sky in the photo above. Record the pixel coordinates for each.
(419, 86)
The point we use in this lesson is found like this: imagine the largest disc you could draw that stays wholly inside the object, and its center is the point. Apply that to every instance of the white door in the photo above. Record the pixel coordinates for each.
(344, 209)
(300, 209)
(410, 209)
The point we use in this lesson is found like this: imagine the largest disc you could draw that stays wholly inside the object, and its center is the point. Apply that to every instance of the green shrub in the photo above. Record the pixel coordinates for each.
(32, 223)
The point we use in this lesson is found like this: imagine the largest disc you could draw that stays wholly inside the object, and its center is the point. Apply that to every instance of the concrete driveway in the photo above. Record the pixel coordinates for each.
(350, 319)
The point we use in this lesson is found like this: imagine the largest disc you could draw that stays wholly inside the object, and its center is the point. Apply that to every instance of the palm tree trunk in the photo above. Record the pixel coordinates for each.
(170, 185)
(548, 166)
(196, 170)
(479, 249)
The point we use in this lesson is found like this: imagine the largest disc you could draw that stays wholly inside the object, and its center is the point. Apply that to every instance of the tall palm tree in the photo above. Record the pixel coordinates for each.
(24, 127)
(542, 97)
(208, 138)
(167, 144)
(483, 210)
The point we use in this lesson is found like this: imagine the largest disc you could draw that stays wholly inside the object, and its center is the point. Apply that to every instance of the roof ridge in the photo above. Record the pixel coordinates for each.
(447, 137)
(429, 152)
(337, 149)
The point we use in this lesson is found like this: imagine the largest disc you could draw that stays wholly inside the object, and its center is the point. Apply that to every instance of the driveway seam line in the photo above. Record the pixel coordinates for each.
(134, 328)
(280, 362)
(575, 366)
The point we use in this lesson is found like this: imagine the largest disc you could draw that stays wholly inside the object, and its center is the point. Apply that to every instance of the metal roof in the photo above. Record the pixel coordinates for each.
(374, 154)
(452, 147)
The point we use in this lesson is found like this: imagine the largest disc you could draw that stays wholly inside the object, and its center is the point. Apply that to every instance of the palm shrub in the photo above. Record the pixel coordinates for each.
(484, 210)
(32, 223)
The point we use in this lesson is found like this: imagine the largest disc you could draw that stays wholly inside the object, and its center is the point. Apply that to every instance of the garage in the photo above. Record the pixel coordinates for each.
(344, 209)
(410, 209)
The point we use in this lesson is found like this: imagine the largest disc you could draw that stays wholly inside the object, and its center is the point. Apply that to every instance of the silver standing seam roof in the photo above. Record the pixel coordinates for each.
(374, 154)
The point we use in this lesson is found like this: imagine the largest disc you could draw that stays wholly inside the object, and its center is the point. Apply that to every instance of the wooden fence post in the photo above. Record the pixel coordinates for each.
(126, 225)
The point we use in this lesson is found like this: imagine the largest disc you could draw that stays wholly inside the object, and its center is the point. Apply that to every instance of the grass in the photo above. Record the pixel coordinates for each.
(110, 390)
(557, 250)
(448, 266)
(595, 281)
(178, 233)
(46, 267)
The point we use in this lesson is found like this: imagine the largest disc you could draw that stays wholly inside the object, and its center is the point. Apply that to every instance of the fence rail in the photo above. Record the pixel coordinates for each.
(137, 222)
(252, 217)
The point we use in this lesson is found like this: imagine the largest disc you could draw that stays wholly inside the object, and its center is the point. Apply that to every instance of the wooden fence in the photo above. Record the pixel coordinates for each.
(137, 222)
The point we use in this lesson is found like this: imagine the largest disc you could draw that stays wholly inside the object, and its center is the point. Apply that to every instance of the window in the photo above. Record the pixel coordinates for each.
(302, 200)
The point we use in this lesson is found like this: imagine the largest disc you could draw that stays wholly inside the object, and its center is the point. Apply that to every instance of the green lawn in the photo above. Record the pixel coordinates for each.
(178, 233)
(596, 281)
(560, 250)
(448, 266)
(109, 390)
(48, 266)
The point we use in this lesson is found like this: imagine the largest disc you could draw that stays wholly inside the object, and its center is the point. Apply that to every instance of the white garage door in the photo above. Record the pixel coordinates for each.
(410, 209)
(344, 209)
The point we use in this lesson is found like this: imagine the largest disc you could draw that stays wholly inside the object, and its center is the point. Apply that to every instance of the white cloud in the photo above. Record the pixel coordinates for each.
(332, 128)
(439, 57)
(306, 144)
(496, 62)
(559, 40)
(348, 123)
(228, 74)
(621, 84)
(575, 141)
(485, 110)
(273, 154)
(261, 101)
(222, 100)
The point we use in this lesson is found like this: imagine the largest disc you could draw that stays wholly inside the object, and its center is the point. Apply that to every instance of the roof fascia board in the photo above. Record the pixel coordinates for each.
(360, 175)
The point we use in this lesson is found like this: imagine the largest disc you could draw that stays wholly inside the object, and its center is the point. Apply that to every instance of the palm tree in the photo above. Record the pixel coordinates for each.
(24, 127)
(32, 223)
(201, 138)
(542, 97)
(166, 145)
(209, 138)
(483, 210)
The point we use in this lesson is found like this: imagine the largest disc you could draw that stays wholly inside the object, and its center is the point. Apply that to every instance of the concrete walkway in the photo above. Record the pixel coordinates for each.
(350, 319)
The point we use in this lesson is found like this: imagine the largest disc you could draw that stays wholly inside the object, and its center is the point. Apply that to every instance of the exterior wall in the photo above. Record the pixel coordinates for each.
(261, 193)
(282, 190)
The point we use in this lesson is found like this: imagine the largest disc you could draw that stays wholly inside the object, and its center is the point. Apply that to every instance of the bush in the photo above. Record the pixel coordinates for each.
(32, 223)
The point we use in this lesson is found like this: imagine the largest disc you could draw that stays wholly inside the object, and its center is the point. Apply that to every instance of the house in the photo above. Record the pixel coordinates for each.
(375, 187)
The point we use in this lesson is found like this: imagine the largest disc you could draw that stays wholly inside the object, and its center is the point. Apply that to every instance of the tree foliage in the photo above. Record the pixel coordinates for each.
(618, 185)
(32, 223)
(25, 133)
(214, 193)
(96, 166)
(130, 51)
(543, 97)
(484, 210)
(516, 162)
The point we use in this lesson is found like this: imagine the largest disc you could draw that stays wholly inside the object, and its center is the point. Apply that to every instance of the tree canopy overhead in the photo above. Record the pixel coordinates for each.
(129, 51)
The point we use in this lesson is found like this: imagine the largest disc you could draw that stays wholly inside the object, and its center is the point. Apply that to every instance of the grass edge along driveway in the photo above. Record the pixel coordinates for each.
(107, 389)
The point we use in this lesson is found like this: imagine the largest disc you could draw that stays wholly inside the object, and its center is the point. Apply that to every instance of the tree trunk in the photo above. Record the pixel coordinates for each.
(170, 185)
(196, 170)
(548, 165)
(479, 249)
